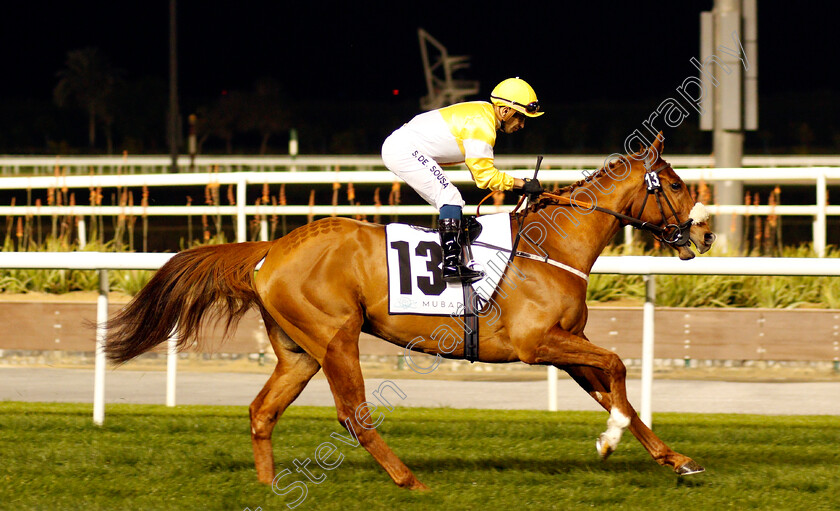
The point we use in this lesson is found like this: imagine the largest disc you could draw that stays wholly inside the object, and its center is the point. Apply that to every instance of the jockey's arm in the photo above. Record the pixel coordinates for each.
(479, 137)
(486, 175)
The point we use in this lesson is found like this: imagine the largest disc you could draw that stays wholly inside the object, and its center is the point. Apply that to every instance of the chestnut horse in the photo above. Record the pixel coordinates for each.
(323, 284)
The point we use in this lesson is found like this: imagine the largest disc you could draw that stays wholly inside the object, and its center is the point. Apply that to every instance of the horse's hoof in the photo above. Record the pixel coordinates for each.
(604, 448)
(688, 468)
(417, 485)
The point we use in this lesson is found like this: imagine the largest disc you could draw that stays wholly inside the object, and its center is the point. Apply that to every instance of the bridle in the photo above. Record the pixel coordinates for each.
(675, 234)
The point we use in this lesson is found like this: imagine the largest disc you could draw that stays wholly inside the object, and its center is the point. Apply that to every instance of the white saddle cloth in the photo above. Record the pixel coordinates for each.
(415, 284)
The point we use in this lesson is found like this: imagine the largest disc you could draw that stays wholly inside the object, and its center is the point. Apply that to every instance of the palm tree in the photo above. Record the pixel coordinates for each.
(88, 81)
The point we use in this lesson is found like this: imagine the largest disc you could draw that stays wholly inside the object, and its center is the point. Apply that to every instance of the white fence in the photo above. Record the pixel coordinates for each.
(633, 265)
(83, 165)
(819, 177)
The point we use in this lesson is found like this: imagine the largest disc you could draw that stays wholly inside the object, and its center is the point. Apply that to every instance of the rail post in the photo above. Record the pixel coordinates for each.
(171, 367)
(99, 360)
(552, 389)
(82, 229)
(628, 238)
(241, 198)
(820, 218)
(647, 349)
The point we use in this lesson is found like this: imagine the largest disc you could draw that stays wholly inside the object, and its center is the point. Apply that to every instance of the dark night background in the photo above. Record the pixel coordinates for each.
(599, 69)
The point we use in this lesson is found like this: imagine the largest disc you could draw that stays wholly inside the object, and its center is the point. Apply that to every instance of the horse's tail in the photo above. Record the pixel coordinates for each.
(216, 281)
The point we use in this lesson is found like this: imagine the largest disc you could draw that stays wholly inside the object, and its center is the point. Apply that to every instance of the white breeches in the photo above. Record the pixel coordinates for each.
(420, 171)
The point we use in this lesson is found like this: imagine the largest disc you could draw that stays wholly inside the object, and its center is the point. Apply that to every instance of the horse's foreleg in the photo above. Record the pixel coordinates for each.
(596, 383)
(564, 349)
(294, 369)
(342, 369)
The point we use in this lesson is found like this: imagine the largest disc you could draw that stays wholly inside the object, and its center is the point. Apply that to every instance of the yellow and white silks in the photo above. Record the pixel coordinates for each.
(460, 133)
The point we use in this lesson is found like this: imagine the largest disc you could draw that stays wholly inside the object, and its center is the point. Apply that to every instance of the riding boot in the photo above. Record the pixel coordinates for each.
(454, 269)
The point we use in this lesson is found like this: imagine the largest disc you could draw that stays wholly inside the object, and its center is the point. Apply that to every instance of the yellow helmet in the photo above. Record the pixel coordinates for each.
(517, 94)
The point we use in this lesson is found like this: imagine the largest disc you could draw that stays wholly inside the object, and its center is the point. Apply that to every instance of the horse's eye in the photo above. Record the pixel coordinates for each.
(676, 186)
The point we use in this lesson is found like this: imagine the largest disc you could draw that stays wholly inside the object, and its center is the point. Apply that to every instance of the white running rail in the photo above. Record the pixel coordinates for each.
(635, 265)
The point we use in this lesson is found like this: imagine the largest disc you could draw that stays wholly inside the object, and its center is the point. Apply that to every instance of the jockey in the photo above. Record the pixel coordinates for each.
(460, 133)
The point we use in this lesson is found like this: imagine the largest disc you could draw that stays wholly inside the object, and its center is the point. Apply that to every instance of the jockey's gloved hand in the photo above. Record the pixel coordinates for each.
(532, 188)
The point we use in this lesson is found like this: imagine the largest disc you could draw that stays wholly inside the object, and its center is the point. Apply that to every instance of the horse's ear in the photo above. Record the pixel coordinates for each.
(658, 144)
(642, 149)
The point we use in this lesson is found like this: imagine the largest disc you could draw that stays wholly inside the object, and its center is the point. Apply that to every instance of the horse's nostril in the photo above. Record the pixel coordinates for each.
(709, 238)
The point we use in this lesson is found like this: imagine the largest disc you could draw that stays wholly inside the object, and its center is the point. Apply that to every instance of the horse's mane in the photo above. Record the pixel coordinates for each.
(568, 189)
(565, 191)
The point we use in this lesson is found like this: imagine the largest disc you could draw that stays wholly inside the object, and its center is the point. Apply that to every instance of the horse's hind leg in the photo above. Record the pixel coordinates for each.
(596, 383)
(342, 369)
(294, 369)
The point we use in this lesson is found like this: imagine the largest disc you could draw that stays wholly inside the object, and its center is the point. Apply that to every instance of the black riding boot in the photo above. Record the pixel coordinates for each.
(454, 269)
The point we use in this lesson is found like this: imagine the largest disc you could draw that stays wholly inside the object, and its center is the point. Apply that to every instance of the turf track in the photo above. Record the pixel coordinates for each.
(199, 457)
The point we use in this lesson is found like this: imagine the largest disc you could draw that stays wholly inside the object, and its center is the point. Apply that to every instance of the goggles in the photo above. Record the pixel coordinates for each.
(532, 107)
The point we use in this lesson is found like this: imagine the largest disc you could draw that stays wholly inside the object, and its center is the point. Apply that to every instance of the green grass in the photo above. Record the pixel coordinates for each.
(199, 457)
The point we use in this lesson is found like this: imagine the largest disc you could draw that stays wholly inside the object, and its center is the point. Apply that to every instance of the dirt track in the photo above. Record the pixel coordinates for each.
(226, 388)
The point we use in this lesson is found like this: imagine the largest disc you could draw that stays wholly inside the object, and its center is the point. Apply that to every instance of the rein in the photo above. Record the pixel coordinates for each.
(672, 234)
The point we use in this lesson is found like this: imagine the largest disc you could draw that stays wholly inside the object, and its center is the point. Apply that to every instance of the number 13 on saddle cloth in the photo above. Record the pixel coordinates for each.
(415, 284)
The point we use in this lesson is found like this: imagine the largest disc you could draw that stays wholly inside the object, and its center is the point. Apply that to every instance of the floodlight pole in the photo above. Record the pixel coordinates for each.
(732, 91)
(728, 144)
(173, 87)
